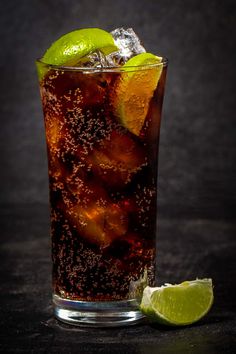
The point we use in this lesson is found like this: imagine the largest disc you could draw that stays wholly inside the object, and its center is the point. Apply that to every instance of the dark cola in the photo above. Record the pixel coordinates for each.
(102, 186)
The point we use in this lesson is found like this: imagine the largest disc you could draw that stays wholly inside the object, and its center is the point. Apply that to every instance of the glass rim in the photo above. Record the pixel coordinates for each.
(104, 68)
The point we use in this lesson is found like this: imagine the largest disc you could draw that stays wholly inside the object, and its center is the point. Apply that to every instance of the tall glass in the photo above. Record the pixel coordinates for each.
(102, 131)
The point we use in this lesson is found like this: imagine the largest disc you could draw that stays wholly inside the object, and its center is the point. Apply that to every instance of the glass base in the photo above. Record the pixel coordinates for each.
(97, 314)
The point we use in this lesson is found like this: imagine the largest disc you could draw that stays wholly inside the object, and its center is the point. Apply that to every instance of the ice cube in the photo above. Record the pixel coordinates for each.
(117, 160)
(128, 43)
(94, 60)
(98, 224)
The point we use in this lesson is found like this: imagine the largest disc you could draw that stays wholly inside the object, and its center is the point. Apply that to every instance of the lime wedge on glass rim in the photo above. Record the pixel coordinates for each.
(178, 305)
(71, 47)
(135, 90)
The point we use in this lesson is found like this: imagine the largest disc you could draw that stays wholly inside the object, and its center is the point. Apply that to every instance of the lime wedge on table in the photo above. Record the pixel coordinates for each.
(73, 46)
(178, 305)
(136, 89)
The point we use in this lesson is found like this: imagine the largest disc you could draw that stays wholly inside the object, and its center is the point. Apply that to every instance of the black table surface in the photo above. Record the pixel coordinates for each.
(188, 247)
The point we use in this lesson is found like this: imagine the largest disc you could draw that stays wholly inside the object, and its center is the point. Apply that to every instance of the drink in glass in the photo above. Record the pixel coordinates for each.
(102, 144)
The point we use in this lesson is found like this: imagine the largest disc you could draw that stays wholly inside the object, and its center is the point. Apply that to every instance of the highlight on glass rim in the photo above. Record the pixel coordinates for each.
(102, 97)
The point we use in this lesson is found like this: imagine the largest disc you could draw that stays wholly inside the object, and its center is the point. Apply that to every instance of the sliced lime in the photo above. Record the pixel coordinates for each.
(68, 49)
(136, 88)
(178, 305)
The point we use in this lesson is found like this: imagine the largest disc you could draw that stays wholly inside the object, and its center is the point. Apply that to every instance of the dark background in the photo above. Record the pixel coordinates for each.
(197, 166)
(197, 170)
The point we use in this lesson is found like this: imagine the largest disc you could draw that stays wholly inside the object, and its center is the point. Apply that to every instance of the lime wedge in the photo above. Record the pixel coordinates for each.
(68, 49)
(136, 89)
(178, 305)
